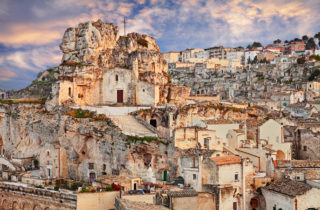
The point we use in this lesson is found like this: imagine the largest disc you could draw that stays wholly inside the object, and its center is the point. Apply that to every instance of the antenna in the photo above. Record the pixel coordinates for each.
(124, 26)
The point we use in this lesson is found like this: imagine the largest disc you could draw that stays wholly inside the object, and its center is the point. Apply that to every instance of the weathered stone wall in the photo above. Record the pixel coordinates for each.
(97, 200)
(309, 145)
(19, 197)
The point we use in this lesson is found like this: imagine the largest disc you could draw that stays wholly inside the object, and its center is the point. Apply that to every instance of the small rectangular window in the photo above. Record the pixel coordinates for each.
(235, 205)
(194, 176)
(91, 166)
(236, 177)
(304, 148)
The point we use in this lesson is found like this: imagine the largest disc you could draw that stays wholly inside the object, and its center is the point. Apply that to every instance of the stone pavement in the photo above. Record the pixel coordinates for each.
(111, 110)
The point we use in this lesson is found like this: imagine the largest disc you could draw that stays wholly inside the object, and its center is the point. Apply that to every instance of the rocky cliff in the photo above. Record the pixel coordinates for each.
(99, 44)
(76, 138)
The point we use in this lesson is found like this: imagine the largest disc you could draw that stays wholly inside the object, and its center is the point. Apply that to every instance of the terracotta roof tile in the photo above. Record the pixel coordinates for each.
(183, 193)
(226, 160)
(298, 163)
(289, 187)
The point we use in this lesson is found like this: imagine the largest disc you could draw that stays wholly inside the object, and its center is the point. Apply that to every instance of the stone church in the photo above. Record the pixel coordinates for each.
(100, 67)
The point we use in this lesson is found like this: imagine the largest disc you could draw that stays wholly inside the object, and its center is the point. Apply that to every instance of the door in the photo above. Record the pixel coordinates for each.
(165, 175)
(92, 177)
(119, 96)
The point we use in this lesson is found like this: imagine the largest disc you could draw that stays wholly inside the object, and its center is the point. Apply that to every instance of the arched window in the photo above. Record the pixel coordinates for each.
(69, 91)
(117, 78)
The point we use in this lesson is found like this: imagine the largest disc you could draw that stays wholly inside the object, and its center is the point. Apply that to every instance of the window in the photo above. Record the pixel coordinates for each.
(206, 142)
(104, 167)
(235, 205)
(194, 176)
(48, 153)
(304, 148)
(69, 92)
(236, 177)
(91, 166)
(217, 155)
(117, 78)
(218, 142)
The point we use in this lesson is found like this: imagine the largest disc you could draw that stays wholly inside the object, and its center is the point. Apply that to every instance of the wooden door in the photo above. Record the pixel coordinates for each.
(119, 96)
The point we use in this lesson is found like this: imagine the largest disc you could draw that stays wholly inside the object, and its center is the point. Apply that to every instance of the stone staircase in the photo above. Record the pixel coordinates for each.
(130, 126)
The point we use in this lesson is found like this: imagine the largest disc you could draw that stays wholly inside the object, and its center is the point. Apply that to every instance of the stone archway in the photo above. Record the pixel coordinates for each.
(26, 206)
(280, 155)
(15, 206)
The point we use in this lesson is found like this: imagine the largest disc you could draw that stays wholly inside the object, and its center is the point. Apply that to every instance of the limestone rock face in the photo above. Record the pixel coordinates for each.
(31, 130)
(98, 43)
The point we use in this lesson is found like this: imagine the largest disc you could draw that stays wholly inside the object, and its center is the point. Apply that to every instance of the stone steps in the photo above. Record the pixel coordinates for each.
(130, 126)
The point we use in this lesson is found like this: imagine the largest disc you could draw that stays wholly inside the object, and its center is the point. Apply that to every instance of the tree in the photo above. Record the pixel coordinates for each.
(301, 60)
(255, 60)
(286, 42)
(317, 36)
(311, 44)
(297, 40)
(305, 38)
(249, 47)
(277, 41)
(256, 44)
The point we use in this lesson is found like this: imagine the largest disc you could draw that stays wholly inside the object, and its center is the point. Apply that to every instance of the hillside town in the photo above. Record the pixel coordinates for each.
(121, 125)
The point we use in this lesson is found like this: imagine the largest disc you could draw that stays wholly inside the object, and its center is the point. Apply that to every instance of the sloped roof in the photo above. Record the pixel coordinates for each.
(289, 187)
(226, 160)
(297, 163)
(183, 193)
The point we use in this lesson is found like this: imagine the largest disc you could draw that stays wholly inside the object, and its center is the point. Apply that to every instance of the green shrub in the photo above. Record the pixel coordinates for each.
(109, 188)
(56, 188)
(136, 138)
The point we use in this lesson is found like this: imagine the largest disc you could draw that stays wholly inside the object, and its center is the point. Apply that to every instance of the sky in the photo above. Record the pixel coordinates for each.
(31, 31)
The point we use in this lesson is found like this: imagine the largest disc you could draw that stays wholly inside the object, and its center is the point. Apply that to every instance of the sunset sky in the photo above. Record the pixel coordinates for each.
(31, 30)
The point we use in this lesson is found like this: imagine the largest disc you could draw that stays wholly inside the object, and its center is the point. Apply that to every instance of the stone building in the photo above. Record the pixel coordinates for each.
(223, 177)
(272, 133)
(298, 170)
(196, 137)
(288, 194)
(308, 143)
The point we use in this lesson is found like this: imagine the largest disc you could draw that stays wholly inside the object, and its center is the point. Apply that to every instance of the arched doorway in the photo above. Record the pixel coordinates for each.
(26, 206)
(280, 155)
(15, 206)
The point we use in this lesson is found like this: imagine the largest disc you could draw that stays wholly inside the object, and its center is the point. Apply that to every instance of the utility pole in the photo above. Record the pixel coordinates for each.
(124, 26)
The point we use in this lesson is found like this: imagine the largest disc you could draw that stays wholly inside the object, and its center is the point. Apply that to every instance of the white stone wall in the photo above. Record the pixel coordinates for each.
(110, 85)
(271, 131)
(227, 174)
(147, 94)
(279, 200)
(222, 130)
